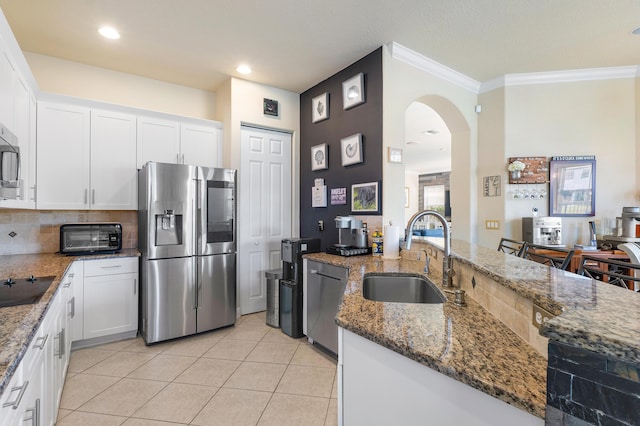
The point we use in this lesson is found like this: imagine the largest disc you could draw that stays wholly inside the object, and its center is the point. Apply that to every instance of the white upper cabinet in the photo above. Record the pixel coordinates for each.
(114, 179)
(158, 140)
(201, 145)
(86, 158)
(63, 156)
(7, 83)
(167, 141)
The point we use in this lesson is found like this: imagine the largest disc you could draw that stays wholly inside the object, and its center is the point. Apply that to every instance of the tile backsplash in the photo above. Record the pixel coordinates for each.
(38, 231)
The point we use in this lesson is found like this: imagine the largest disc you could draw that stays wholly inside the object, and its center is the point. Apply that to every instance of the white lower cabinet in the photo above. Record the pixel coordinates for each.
(110, 297)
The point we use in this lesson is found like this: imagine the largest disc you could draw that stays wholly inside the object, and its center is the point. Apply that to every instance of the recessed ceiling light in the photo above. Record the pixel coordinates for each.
(243, 69)
(431, 132)
(109, 32)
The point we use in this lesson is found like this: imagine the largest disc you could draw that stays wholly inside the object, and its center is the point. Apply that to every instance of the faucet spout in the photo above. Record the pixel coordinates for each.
(447, 265)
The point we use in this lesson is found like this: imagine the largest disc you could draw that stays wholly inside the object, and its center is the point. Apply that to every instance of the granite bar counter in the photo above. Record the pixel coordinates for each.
(18, 324)
(469, 343)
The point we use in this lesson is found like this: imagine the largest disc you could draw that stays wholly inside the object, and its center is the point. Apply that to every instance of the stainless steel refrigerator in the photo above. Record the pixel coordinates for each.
(187, 237)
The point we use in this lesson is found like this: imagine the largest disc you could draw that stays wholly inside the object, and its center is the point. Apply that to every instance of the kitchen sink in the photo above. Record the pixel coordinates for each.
(400, 288)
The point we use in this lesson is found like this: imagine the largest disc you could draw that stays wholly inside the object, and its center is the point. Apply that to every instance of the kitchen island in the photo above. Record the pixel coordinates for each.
(470, 344)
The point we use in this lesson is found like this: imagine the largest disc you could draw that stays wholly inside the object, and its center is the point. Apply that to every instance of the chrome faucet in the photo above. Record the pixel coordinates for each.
(447, 261)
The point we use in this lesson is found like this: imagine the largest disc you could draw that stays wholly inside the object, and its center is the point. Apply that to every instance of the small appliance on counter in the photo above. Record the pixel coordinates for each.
(545, 231)
(290, 296)
(627, 228)
(90, 238)
(352, 237)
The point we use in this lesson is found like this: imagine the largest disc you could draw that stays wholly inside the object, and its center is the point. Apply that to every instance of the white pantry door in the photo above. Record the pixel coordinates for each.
(264, 211)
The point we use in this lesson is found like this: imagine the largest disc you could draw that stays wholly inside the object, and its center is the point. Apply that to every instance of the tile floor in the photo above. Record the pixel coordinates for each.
(249, 374)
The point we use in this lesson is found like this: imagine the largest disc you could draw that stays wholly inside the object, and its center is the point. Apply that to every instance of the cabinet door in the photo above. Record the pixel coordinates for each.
(110, 304)
(63, 156)
(7, 81)
(158, 140)
(113, 161)
(77, 302)
(200, 145)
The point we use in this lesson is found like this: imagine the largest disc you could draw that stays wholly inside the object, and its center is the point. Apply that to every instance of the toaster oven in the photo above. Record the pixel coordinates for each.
(90, 238)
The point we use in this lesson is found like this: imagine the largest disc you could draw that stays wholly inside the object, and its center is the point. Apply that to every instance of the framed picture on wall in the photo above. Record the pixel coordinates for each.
(351, 149)
(319, 157)
(320, 107)
(364, 197)
(353, 91)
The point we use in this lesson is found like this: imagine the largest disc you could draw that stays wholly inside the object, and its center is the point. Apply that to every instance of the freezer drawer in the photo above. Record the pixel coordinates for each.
(325, 287)
(216, 291)
(168, 299)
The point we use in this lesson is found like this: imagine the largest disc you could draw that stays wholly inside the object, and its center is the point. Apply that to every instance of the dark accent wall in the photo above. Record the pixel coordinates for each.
(366, 119)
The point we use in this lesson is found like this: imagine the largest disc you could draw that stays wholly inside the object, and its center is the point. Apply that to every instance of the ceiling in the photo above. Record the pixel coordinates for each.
(295, 44)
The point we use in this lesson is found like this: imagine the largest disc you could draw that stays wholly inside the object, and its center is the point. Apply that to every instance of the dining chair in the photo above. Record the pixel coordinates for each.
(618, 272)
(555, 257)
(510, 246)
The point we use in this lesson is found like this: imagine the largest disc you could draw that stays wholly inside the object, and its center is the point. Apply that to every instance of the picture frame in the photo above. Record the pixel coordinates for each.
(395, 155)
(320, 108)
(572, 187)
(351, 149)
(353, 91)
(319, 158)
(365, 198)
(270, 107)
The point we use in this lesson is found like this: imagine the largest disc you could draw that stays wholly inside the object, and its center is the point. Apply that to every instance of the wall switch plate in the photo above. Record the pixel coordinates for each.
(492, 224)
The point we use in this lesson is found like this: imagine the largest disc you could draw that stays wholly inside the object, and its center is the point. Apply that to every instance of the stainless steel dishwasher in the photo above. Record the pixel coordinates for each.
(325, 287)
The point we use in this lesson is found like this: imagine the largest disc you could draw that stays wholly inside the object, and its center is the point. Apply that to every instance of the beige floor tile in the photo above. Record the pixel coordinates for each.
(332, 413)
(334, 391)
(276, 353)
(257, 318)
(310, 381)
(237, 407)
(195, 345)
(138, 345)
(231, 349)
(162, 368)
(275, 335)
(312, 357)
(294, 410)
(78, 418)
(82, 359)
(253, 333)
(256, 376)
(124, 398)
(177, 402)
(146, 422)
(208, 372)
(119, 364)
(62, 413)
(82, 387)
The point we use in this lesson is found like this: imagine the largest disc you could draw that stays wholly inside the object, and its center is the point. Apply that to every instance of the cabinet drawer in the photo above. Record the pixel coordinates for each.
(121, 265)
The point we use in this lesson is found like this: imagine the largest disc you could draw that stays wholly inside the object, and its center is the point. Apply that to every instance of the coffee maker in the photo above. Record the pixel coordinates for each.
(290, 294)
(352, 237)
(546, 231)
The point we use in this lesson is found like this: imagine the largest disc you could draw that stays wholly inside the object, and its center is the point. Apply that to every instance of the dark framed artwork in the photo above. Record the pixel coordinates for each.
(270, 107)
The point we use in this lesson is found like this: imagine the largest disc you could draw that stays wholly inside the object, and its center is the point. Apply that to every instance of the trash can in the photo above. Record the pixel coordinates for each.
(273, 292)
(291, 308)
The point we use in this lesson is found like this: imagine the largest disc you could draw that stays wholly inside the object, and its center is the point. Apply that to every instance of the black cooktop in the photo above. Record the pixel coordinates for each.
(23, 291)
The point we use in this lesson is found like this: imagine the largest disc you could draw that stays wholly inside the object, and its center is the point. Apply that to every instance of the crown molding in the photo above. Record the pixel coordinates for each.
(430, 66)
(423, 63)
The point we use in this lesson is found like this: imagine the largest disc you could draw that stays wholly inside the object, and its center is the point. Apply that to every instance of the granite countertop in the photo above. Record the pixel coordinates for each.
(18, 324)
(465, 343)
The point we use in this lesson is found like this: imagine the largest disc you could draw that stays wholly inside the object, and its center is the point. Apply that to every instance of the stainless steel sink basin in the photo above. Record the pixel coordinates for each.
(400, 288)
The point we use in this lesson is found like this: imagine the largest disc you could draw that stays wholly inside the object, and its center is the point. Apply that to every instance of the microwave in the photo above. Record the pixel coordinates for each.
(90, 238)
(9, 165)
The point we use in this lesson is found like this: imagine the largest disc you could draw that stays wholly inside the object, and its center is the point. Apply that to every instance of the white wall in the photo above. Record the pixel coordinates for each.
(68, 78)
(243, 103)
(576, 118)
(404, 84)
